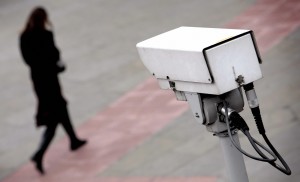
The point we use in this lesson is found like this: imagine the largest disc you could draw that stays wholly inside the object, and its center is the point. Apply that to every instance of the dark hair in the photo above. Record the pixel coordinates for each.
(38, 19)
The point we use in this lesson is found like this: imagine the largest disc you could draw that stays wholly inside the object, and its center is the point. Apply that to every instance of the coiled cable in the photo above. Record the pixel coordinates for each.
(237, 123)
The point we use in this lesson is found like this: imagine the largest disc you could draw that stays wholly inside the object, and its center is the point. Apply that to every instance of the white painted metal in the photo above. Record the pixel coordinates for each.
(195, 103)
(180, 96)
(178, 56)
(234, 161)
(163, 63)
(231, 59)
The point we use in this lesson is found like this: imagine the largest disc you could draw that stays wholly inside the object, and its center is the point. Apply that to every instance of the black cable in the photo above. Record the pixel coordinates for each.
(260, 126)
(238, 122)
(258, 120)
(233, 142)
(254, 143)
(286, 170)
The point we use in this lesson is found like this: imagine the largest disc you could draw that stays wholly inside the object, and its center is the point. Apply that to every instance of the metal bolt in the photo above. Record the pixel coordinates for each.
(240, 80)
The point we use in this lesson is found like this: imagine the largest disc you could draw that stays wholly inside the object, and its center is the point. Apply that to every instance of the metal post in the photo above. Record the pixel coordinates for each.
(234, 161)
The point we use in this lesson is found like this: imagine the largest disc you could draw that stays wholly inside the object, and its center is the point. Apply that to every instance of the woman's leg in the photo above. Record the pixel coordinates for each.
(45, 142)
(67, 125)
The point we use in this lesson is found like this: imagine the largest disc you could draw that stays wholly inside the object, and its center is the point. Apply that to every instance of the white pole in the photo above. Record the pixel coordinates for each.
(234, 161)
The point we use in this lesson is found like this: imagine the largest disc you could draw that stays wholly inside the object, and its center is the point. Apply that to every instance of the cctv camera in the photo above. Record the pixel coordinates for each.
(202, 60)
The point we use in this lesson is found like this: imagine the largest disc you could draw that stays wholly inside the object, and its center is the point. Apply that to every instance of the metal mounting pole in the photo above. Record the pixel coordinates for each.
(234, 161)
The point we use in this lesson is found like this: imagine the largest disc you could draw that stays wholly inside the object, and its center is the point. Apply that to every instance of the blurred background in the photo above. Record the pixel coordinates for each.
(97, 41)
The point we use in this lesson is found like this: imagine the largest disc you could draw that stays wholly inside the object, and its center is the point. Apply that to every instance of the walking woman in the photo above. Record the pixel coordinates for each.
(41, 55)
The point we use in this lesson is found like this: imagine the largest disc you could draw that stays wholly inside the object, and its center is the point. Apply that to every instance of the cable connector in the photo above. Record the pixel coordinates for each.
(251, 95)
(235, 120)
(258, 120)
(238, 122)
(254, 106)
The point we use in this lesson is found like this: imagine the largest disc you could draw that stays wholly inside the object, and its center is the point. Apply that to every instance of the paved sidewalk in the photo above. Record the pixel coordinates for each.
(97, 39)
(144, 134)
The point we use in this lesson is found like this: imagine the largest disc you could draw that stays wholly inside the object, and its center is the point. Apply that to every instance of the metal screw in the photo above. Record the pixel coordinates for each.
(240, 80)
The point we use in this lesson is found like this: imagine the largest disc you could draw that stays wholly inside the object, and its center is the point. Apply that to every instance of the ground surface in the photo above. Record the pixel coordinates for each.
(136, 131)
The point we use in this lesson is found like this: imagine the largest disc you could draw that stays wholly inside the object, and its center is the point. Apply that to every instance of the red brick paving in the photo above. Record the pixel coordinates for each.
(121, 126)
(160, 179)
(147, 109)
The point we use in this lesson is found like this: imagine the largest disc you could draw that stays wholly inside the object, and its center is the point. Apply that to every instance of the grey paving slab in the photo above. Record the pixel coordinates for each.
(97, 39)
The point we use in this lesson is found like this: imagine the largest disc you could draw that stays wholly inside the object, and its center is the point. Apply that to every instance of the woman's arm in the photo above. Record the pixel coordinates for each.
(53, 53)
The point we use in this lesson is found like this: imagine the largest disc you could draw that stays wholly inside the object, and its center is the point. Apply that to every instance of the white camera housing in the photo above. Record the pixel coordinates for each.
(202, 60)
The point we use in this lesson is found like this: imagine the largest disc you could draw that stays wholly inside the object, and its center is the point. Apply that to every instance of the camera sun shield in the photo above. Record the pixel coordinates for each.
(202, 60)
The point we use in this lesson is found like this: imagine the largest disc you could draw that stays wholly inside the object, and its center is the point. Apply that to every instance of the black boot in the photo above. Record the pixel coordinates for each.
(66, 123)
(37, 159)
(76, 144)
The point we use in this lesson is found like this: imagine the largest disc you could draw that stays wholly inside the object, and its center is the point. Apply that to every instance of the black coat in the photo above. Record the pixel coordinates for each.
(41, 55)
